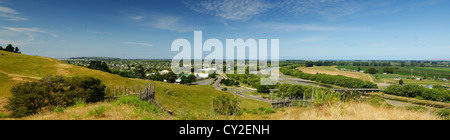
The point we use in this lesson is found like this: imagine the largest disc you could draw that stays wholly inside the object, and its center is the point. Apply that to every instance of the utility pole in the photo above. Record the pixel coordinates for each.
(411, 73)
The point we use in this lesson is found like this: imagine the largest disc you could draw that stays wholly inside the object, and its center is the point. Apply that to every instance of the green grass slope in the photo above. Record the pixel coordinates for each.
(18, 68)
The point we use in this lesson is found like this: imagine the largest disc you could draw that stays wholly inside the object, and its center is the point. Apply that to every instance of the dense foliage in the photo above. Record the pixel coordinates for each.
(229, 82)
(372, 71)
(416, 91)
(51, 92)
(188, 80)
(10, 48)
(252, 80)
(337, 80)
(99, 65)
(321, 95)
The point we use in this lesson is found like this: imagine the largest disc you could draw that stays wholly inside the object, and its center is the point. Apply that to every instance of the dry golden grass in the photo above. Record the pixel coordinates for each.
(111, 112)
(332, 70)
(428, 103)
(352, 111)
(337, 111)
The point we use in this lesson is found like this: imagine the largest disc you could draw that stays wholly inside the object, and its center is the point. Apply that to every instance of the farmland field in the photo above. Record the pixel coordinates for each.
(331, 70)
(433, 73)
(443, 72)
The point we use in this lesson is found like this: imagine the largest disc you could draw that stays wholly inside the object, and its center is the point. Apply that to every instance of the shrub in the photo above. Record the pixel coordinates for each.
(98, 112)
(3, 115)
(52, 92)
(266, 110)
(375, 100)
(259, 111)
(135, 101)
(59, 110)
(226, 105)
(444, 114)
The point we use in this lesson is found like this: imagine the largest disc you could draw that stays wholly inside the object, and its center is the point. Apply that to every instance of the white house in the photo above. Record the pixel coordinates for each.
(164, 72)
(204, 73)
(201, 75)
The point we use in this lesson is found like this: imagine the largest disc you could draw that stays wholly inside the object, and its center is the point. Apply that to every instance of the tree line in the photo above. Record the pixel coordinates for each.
(337, 80)
(252, 80)
(140, 72)
(10, 48)
(438, 93)
(369, 63)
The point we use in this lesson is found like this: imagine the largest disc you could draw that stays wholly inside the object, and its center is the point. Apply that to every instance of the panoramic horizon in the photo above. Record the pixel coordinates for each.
(307, 30)
(244, 62)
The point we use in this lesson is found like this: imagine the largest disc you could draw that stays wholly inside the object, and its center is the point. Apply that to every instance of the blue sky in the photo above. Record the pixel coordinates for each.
(307, 29)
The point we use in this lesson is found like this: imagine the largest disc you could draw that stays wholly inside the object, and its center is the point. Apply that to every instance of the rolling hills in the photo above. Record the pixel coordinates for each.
(186, 102)
(196, 100)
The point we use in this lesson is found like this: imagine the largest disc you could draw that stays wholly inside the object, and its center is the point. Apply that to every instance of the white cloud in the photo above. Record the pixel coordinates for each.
(137, 43)
(8, 10)
(9, 14)
(323, 8)
(310, 39)
(231, 9)
(137, 17)
(24, 29)
(13, 42)
(21, 36)
(288, 27)
(329, 9)
(97, 32)
(170, 23)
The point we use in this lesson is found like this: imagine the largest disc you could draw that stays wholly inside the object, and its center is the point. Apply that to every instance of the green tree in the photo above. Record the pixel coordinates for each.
(402, 64)
(400, 82)
(388, 70)
(171, 77)
(188, 80)
(372, 71)
(140, 72)
(9, 48)
(16, 49)
(213, 75)
(309, 64)
(99, 65)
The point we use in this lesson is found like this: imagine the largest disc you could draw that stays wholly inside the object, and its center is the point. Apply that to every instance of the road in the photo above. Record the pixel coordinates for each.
(239, 92)
(297, 81)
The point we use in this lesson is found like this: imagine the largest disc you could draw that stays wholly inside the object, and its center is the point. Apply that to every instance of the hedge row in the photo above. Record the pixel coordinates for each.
(337, 80)
(416, 91)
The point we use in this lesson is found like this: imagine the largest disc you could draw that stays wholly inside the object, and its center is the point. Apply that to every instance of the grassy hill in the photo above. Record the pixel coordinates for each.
(181, 99)
(186, 102)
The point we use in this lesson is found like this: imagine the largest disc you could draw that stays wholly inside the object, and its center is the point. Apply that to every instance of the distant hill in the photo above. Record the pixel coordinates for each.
(94, 58)
(17, 68)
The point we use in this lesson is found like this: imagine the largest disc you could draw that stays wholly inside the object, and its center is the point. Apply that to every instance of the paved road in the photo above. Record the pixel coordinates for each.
(217, 83)
(218, 87)
(204, 81)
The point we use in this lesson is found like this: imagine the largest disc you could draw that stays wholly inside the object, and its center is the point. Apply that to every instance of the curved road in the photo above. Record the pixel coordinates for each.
(218, 87)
